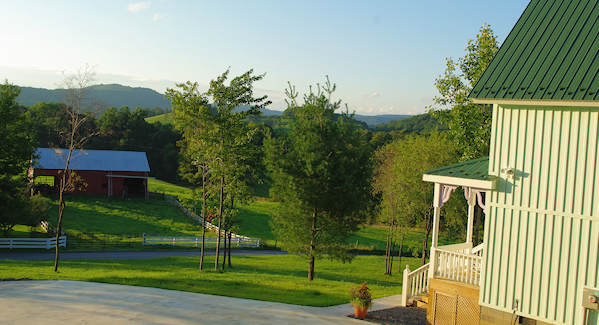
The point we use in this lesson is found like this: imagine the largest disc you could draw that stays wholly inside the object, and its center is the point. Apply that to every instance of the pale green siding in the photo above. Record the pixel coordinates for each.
(542, 225)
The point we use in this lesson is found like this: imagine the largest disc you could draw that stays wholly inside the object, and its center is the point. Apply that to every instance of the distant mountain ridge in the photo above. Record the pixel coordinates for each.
(116, 95)
(107, 95)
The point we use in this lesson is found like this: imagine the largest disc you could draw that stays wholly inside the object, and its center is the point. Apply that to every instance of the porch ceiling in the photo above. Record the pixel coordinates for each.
(473, 173)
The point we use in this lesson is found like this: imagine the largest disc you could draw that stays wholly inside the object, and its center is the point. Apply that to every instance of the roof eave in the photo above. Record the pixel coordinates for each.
(458, 181)
(536, 102)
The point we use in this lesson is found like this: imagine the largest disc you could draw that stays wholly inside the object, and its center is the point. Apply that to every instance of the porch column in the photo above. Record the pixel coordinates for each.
(436, 212)
(471, 205)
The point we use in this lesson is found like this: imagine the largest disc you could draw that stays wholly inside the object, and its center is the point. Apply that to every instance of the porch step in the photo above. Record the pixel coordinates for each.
(420, 302)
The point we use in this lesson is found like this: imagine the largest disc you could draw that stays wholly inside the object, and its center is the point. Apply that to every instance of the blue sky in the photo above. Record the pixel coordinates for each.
(383, 55)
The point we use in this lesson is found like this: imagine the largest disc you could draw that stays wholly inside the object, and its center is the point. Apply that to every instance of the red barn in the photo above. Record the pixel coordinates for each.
(107, 172)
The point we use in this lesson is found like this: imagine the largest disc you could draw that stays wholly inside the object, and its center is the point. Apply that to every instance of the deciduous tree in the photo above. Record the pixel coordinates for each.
(469, 124)
(75, 99)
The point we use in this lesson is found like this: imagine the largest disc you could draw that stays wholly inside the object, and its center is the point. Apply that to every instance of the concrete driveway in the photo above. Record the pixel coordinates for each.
(74, 302)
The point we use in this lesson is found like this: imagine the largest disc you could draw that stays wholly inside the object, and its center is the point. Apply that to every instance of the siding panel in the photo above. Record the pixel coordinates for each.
(542, 226)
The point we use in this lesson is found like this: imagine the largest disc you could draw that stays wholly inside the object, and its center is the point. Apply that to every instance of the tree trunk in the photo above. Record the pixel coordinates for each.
(391, 245)
(203, 219)
(229, 255)
(220, 218)
(312, 248)
(387, 253)
(61, 203)
(224, 250)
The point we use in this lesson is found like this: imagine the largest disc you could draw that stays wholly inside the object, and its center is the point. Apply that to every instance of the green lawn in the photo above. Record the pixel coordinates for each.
(254, 221)
(166, 118)
(130, 217)
(97, 222)
(376, 237)
(271, 278)
(21, 231)
(158, 186)
(126, 221)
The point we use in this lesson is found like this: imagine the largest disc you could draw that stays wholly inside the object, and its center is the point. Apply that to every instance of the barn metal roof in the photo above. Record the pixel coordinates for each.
(107, 160)
(552, 53)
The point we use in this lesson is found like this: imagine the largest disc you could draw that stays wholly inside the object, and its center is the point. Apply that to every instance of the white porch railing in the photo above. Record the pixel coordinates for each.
(46, 243)
(197, 241)
(456, 266)
(457, 262)
(415, 283)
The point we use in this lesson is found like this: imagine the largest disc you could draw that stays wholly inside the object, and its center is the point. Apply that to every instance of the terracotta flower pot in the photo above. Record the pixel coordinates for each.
(360, 312)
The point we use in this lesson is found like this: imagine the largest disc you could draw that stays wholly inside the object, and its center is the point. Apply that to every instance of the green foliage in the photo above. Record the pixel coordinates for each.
(16, 143)
(16, 150)
(116, 129)
(321, 173)
(123, 129)
(417, 124)
(218, 145)
(269, 278)
(469, 124)
(399, 178)
(18, 208)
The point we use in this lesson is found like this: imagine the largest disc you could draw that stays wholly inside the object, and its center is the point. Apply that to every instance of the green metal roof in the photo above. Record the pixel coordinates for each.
(552, 53)
(471, 169)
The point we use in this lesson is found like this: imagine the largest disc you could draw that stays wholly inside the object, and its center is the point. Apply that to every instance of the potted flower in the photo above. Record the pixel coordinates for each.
(361, 299)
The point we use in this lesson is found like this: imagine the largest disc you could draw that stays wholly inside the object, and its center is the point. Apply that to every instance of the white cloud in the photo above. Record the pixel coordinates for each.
(157, 17)
(374, 94)
(136, 7)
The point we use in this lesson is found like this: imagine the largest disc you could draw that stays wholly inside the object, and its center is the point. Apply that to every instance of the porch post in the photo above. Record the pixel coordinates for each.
(471, 205)
(436, 212)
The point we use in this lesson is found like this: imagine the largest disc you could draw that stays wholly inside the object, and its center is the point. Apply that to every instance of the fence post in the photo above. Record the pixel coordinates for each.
(48, 243)
(10, 243)
(258, 243)
(405, 286)
(143, 240)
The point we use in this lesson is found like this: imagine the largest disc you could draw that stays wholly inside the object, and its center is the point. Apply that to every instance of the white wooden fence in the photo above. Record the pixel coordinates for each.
(209, 226)
(46, 243)
(197, 241)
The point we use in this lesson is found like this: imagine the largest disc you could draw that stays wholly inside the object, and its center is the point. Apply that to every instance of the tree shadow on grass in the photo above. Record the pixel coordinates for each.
(236, 289)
